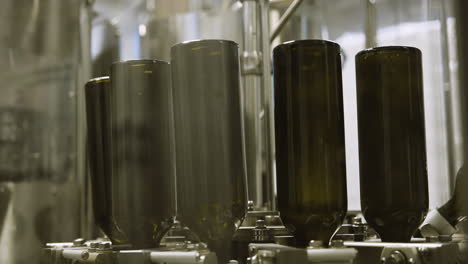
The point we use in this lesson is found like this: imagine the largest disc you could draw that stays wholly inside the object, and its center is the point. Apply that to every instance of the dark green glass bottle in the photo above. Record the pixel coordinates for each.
(211, 191)
(142, 156)
(98, 151)
(392, 150)
(310, 142)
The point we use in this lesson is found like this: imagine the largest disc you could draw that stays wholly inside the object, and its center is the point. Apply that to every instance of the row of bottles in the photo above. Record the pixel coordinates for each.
(310, 148)
(165, 140)
(142, 122)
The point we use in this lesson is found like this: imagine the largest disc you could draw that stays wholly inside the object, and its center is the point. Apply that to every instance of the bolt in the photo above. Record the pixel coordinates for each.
(337, 243)
(94, 245)
(260, 223)
(250, 206)
(198, 258)
(78, 242)
(396, 257)
(253, 251)
(425, 253)
(104, 245)
(201, 245)
(357, 220)
(315, 244)
(84, 255)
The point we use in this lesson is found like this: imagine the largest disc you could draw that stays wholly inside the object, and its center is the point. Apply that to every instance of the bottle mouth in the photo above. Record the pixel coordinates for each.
(308, 43)
(94, 81)
(389, 49)
(201, 42)
(139, 62)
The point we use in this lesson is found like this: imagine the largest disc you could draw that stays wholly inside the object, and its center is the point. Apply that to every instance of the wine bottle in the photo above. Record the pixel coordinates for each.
(310, 142)
(142, 156)
(98, 151)
(211, 191)
(392, 150)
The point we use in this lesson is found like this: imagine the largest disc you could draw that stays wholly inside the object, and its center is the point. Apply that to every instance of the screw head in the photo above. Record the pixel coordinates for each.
(357, 220)
(397, 257)
(316, 244)
(425, 253)
(84, 255)
(93, 245)
(260, 223)
(337, 243)
(250, 206)
(78, 242)
(104, 245)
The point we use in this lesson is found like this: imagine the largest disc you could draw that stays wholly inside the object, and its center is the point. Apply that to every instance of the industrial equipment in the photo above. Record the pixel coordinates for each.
(233, 131)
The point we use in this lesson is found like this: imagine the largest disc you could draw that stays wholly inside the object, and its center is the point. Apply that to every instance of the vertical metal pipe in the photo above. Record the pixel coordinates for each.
(462, 40)
(85, 74)
(453, 158)
(257, 97)
(268, 113)
(251, 59)
(370, 23)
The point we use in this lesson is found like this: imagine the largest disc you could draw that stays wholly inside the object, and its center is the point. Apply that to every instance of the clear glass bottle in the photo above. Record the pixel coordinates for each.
(310, 144)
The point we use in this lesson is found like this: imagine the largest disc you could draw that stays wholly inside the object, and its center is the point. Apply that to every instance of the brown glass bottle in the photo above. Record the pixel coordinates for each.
(211, 191)
(310, 143)
(392, 151)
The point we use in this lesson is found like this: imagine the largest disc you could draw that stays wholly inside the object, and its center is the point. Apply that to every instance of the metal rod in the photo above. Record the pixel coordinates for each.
(291, 9)
(371, 24)
(449, 94)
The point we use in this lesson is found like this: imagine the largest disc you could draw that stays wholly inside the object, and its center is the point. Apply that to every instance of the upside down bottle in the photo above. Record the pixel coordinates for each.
(392, 152)
(141, 129)
(210, 165)
(310, 143)
(97, 117)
